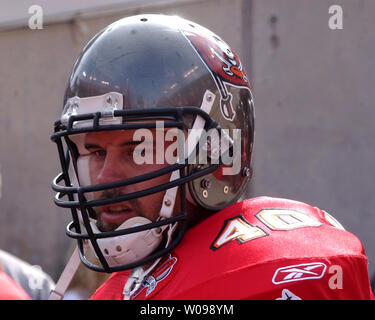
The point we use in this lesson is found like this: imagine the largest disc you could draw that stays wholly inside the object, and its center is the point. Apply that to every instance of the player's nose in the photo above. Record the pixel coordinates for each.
(113, 169)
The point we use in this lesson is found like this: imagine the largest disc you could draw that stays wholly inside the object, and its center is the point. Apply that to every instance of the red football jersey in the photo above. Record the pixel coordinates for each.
(261, 248)
(10, 290)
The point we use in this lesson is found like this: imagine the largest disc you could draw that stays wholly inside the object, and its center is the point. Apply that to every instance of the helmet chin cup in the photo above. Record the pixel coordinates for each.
(125, 249)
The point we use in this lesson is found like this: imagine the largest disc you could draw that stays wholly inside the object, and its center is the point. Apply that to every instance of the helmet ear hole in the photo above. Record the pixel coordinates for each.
(216, 191)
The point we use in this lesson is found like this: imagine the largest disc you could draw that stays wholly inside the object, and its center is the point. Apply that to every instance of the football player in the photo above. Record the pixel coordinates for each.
(155, 142)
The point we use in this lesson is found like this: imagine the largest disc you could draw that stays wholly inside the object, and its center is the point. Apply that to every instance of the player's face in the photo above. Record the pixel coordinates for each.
(111, 158)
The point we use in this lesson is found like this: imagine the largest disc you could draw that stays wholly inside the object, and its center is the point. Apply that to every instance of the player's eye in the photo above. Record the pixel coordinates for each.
(99, 153)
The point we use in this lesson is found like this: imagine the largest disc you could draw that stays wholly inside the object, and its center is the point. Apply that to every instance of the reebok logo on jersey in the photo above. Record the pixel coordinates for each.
(299, 272)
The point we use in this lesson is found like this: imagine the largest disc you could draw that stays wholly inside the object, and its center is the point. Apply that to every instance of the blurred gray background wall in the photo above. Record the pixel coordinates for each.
(314, 91)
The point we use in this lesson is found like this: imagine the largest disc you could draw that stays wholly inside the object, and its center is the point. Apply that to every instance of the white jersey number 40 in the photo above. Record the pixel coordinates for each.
(237, 228)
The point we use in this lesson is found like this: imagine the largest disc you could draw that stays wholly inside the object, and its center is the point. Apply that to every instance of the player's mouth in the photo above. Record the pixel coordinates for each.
(116, 214)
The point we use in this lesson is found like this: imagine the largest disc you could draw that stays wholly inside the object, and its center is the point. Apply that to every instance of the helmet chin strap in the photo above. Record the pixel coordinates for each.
(67, 275)
(125, 249)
